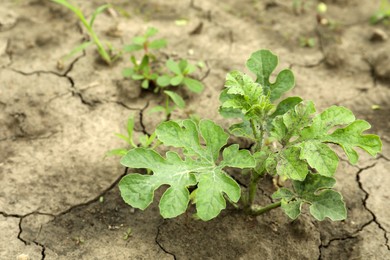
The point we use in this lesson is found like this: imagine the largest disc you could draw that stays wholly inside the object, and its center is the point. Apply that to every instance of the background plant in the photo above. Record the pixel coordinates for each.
(289, 140)
(383, 12)
(144, 140)
(104, 52)
(152, 74)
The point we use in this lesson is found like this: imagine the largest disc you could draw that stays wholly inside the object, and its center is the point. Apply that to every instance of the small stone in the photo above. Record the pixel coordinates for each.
(3, 46)
(378, 35)
(23, 257)
(8, 19)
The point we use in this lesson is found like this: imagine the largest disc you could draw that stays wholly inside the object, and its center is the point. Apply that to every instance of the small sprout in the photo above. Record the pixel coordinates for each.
(309, 42)
(79, 240)
(104, 52)
(127, 234)
(375, 107)
(101, 199)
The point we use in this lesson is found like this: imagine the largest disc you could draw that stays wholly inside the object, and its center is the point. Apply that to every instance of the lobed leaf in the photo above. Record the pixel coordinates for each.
(316, 191)
(290, 166)
(198, 168)
(263, 63)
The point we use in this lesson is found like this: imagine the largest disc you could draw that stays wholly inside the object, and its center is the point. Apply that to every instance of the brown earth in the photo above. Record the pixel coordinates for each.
(58, 194)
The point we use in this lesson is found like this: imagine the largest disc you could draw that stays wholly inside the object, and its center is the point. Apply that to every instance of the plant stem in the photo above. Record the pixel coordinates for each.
(252, 189)
(257, 210)
(96, 40)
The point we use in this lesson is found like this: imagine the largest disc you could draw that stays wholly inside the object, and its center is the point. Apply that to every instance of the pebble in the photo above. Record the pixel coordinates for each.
(378, 35)
(8, 19)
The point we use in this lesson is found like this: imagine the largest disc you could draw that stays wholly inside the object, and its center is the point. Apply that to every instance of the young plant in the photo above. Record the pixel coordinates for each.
(151, 73)
(143, 70)
(104, 53)
(145, 141)
(289, 139)
(383, 12)
(181, 71)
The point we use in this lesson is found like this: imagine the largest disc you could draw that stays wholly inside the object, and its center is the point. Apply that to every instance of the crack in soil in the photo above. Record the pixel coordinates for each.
(374, 218)
(103, 193)
(141, 117)
(159, 244)
(360, 229)
(21, 218)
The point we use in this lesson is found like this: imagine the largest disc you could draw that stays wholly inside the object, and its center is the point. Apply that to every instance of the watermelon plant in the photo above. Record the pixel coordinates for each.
(289, 139)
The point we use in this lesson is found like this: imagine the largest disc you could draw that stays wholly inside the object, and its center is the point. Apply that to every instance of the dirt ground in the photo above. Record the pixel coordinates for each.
(58, 194)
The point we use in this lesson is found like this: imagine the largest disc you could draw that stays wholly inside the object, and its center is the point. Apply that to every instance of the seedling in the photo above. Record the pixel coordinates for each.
(143, 70)
(145, 141)
(104, 52)
(309, 42)
(289, 140)
(383, 12)
(181, 71)
(127, 234)
(150, 72)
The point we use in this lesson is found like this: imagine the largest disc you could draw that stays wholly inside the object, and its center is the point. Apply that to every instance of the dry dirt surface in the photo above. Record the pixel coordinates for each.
(58, 193)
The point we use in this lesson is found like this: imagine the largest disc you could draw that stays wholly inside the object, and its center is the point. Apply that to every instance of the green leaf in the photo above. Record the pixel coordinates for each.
(158, 44)
(244, 95)
(233, 157)
(136, 76)
(193, 85)
(139, 40)
(283, 83)
(156, 109)
(242, 129)
(329, 118)
(130, 126)
(299, 117)
(163, 81)
(137, 190)
(323, 201)
(209, 195)
(173, 66)
(132, 47)
(128, 72)
(320, 157)
(329, 204)
(263, 63)
(292, 208)
(98, 11)
(177, 80)
(189, 69)
(286, 105)
(117, 152)
(316, 191)
(150, 32)
(199, 168)
(283, 193)
(351, 136)
(290, 165)
(145, 84)
(178, 100)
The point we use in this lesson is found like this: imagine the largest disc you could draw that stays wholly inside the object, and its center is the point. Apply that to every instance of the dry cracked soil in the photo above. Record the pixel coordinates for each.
(58, 193)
